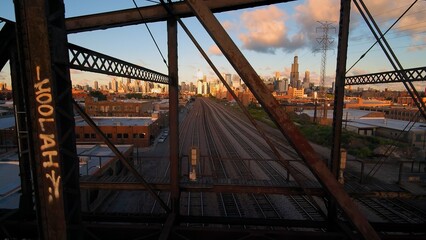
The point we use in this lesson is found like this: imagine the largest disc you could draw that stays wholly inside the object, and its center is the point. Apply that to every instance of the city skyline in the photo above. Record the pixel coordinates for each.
(268, 36)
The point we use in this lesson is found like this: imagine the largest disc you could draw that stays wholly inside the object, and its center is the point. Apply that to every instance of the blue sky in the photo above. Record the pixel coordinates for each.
(268, 36)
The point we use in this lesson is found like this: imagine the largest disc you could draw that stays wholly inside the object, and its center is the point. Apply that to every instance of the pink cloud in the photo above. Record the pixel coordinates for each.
(227, 25)
(265, 30)
(287, 71)
(309, 15)
(412, 24)
(75, 72)
(215, 51)
(357, 71)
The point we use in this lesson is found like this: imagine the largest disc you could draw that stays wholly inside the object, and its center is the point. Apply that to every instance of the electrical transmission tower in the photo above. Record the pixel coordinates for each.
(325, 41)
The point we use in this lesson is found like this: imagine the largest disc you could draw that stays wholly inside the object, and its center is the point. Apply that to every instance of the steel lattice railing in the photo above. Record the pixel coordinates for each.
(88, 60)
(413, 74)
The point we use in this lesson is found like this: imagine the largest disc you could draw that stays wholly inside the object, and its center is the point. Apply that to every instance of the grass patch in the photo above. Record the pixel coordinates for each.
(357, 145)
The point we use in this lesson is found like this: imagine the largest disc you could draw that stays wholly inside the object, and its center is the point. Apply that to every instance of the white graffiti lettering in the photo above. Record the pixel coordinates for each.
(54, 190)
(48, 142)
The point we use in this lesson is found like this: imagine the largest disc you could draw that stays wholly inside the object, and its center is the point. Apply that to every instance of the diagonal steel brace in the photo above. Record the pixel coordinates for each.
(119, 154)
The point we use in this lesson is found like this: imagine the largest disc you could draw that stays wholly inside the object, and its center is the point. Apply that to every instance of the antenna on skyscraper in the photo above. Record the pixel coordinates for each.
(324, 41)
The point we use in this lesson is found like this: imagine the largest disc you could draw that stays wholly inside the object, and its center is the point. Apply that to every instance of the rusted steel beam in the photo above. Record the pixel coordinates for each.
(42, 36)
(132, 186)
(133, 227)
(154, 13)
(339, 94)
(388, 195)
(168, 227)
(319, 192)
(128, 186)
(173, 112)
(286, 126)
(253, 221)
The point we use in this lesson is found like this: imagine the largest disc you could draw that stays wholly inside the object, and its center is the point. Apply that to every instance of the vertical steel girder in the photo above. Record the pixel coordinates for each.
(286, 126)
(342, 50)
(41, 26)
(174, 119)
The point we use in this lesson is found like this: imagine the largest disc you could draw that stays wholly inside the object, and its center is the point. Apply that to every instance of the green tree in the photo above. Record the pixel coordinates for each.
(134, 95)
(99, 95)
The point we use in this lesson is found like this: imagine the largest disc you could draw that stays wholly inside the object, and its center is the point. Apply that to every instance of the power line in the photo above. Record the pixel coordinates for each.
(374, 44)
(150, 33)
(389, 38)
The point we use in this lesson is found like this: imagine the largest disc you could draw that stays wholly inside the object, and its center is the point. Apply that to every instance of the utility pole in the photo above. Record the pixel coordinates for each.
(324, 41)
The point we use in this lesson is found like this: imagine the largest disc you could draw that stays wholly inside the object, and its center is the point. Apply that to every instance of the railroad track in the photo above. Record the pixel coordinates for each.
(306, 207)
(385, 212)
(280, 142)
(229, 203)
(231, 120)
(389, 210)
(265, 206)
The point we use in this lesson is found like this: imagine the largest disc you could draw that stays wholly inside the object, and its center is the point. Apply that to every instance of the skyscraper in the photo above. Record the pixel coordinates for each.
(206, 89)
(277, 75)
(183, 87)
(200, 87)
(114, 85)
(228, 78)
(191, 87)
(236, 82)
(281, 86)
(96, 85)
(306, 79)
(294, 74)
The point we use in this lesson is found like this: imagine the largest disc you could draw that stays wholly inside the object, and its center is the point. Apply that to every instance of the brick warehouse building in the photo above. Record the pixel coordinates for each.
(119, 108)
(139, 131)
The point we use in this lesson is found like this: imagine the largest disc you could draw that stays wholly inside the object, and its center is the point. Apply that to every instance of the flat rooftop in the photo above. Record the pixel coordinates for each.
(358, 118)
(92, 157)
(7, 122)
(117, 121)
